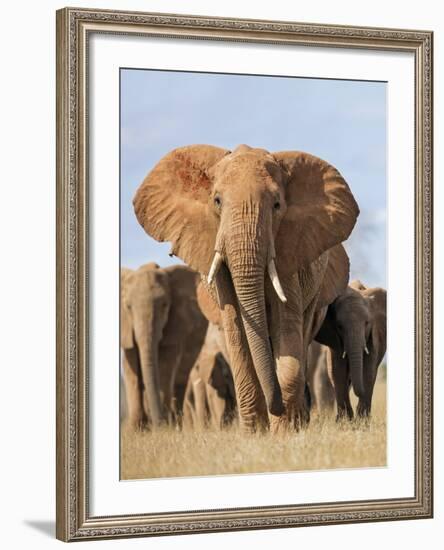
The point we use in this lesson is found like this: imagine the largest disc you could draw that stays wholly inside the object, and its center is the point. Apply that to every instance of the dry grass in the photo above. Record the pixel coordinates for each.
(325, 444)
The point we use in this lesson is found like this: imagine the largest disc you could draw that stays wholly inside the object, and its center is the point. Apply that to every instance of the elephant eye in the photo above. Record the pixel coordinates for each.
(277, 205)
(217, 201)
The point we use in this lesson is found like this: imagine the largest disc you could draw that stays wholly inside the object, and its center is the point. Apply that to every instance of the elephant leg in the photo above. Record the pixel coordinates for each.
(340, 375)
(249, 396)
(311, 378)
(133, 388)
(290, 363)
(364, 406)
(363, 409)
(312, 320)
(177, 402)
(188, 407)
(323, 388)
(216, 405)
(292, 381)
(169, 360)
(201, 415)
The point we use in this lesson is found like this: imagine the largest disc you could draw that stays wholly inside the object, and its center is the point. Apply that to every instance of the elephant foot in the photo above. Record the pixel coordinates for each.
(279, 424)
(363, 410)
(344, 414)
(364, 420)
(161, 424)
(138, 424)
(293, 419)
(253, 424)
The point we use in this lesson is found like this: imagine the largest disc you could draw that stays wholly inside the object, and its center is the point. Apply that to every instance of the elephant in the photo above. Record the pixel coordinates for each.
(209, 395)
(161, 332)
(321, 388)
(355, 331)
(264, 231)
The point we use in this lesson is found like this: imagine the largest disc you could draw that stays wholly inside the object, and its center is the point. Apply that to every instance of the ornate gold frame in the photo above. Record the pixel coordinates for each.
(73, 519)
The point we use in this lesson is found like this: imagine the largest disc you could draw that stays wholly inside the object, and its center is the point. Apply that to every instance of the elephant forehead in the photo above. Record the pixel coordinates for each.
(350, 300)
(150, 283)
(245, 156)
(248, 177)
(353, 312)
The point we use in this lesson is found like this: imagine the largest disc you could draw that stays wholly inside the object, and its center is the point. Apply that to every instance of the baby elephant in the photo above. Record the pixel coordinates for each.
(209, 395)
(355, 331)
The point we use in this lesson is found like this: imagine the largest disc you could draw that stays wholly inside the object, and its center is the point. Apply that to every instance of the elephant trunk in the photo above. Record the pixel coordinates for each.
(355, 360)
(150, 375)
(247, 253)
(250, 294)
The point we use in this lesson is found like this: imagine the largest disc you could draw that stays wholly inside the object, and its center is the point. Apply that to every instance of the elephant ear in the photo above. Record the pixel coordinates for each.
(336, 276)
(173, 203)
(180, 282)
(321, 210)
(333, 285)
(327, 334)
(126, 323)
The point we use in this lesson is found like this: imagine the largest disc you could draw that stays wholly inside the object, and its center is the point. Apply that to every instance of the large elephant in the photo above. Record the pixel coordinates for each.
(209, 395)
(355, 331)
(264, 230)
(161, 333)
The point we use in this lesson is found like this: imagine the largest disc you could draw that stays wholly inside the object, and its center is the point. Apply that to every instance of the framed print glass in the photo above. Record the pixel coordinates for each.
(244, 274)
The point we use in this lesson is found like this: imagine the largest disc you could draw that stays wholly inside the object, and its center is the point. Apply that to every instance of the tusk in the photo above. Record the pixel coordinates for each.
(366, 350)
(275, 280)
(344, 354)
(217, 262)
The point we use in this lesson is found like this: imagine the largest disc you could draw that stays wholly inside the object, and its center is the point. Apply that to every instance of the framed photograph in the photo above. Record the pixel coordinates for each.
(244, 274)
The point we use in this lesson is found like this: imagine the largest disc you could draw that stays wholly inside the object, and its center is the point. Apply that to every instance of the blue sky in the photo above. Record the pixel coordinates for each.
(343, 122)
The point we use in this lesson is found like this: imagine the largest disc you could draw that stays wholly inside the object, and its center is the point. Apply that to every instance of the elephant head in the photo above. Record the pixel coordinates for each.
(145, 304)
(254, 213)
(355, 327)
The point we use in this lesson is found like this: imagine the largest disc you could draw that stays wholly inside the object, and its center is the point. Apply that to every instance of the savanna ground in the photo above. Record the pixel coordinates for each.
(324, 444)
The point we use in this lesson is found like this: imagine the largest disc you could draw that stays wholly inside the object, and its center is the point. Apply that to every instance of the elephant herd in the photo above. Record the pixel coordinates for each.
(262, 323)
